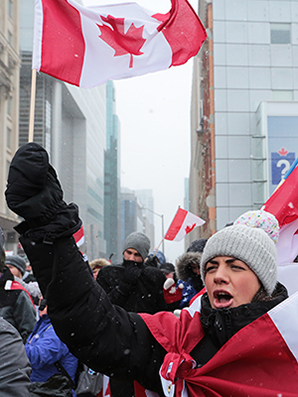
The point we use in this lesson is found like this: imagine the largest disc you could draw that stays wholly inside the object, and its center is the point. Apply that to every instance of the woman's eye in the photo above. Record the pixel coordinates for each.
(210, 269)
(237, 267)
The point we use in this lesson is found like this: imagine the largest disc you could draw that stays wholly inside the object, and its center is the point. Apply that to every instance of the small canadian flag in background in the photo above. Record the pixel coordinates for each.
(183, 223)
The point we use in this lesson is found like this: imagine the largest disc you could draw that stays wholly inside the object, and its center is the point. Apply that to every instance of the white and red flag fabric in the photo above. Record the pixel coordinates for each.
(254, 362)
(79, 236)
(283, 204)
(87, 46)
(183, 223)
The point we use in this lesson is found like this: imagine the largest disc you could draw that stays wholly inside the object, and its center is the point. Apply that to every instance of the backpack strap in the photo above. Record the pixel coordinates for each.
(61, 369)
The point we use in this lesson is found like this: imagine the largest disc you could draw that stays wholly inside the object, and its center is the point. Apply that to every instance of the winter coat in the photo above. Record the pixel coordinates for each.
(135, 287)
(141, 292)
(44, 349)
(15, 368)
(16, 305)
(135, 347)
(192, 282)
(32, 286)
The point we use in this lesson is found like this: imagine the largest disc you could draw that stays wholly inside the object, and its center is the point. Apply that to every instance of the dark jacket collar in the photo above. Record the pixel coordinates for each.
(7, 275)
(222, 324)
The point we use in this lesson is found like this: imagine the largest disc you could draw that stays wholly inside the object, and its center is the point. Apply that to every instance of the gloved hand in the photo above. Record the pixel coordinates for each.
(152, 261)
(34, 193)
(130, 276)
(170, 292)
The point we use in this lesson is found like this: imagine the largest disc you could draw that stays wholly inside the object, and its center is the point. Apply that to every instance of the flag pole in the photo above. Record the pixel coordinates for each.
(158, 247)
(32, 106)
(291, 169)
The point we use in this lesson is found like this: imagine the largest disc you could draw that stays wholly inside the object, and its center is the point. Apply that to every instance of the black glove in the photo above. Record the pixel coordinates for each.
(152, 261)
(130, 276)
(132, 271)
(34, 192)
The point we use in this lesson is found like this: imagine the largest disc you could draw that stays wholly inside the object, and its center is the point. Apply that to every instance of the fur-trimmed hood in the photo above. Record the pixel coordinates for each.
(184, 262)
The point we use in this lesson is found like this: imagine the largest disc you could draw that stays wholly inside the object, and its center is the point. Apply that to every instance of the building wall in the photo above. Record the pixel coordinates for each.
(89, 152)
(147, 201)
(254, 51)
(9, 105)
(112, 215)
(133, 218)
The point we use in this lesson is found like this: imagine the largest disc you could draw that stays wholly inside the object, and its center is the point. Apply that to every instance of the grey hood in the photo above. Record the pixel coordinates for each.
(184, 262)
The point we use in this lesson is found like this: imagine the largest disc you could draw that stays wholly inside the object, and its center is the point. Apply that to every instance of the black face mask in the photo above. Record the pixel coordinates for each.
(42, 304)
(128, 263)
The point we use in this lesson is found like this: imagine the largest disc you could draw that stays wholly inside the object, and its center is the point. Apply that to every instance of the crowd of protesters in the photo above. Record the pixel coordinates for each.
(224, 338)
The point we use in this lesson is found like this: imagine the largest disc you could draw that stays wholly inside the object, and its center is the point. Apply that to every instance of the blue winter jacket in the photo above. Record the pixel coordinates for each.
(44, 348)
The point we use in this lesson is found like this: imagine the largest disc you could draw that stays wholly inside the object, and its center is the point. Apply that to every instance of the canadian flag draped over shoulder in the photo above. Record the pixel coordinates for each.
(86, 46)
(260, 360)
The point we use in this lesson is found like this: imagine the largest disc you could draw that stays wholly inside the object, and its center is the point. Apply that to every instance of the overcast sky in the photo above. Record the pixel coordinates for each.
(154, 112)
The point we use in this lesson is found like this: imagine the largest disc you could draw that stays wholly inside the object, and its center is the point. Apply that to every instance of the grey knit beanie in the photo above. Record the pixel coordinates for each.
(248, 244)
(16, 261)
(138, 241)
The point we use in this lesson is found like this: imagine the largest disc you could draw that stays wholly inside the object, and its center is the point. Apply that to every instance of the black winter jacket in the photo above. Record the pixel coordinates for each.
(106, 337)
(141, 294)
(16, 306)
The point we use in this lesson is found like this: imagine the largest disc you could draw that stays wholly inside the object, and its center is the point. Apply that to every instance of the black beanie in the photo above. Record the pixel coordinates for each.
(197, 245)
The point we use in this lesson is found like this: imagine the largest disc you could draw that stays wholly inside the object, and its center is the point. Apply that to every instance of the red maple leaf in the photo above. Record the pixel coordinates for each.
(123, 43)
(189, 229)
(283, 152)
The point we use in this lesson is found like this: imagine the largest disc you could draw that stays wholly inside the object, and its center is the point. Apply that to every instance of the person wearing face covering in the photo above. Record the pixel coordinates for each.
(135, 287)
(131, 284)
(237, 339)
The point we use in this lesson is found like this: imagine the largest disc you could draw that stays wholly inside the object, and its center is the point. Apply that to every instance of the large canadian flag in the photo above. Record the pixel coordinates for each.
(183, 223)
(86, 46)
(283, 204)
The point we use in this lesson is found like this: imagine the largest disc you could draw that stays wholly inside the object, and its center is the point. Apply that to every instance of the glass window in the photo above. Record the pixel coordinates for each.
(280, 33)
(7, 168)
(282, 95)
(10, 4)
(10, 38)
(8, 138)
(9, 105)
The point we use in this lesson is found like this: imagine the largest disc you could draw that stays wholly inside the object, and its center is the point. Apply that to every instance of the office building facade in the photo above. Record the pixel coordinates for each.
(112, 192)
(9, 106)
(244, 107)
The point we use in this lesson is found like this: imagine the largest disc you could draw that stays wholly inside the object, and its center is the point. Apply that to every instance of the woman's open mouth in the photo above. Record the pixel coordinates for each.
(222, 299)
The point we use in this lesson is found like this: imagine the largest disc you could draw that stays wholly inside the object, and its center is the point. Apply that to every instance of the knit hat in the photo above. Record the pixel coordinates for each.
(16, 261)
(159, 255)
(251, 245)
(138, 241)
(2, 252)
(197, 245)
(167, 267)
(261, 219)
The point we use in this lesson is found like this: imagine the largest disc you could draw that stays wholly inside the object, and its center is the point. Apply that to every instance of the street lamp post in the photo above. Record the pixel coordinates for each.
(162, 226)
